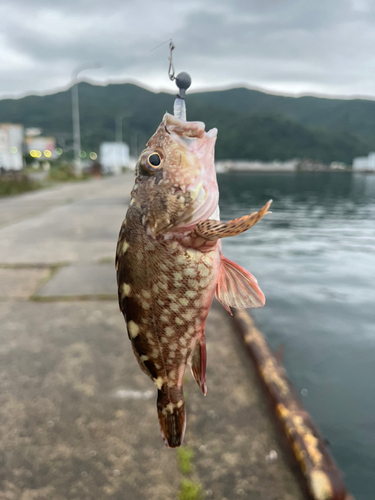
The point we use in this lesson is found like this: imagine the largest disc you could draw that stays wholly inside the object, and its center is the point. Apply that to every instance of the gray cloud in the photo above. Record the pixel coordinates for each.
(281, 45)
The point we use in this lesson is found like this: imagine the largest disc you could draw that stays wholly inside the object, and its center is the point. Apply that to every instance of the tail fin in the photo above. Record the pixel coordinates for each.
(171, 413)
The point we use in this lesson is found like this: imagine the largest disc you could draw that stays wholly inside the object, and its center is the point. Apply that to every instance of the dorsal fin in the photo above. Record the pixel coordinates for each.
(236, 287)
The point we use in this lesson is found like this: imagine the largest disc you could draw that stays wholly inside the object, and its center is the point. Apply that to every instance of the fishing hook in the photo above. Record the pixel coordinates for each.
(170, 59)
(183, 82)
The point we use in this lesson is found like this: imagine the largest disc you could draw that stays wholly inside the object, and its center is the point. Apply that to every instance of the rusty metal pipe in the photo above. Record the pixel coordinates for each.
(323, 478)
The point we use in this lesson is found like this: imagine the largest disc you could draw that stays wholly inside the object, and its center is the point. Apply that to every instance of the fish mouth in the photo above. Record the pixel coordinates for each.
(188, 130)
(185, 129)
(211, 134)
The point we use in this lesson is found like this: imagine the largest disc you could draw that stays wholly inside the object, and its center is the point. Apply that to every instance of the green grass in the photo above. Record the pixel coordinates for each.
(65, 173)
(190, 490)
(17, 184)
(73, 298)
(185, 456)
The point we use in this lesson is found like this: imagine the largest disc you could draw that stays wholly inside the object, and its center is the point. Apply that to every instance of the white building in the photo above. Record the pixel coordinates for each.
(33, 132)
(114, 156)
(364, 163)
(11, 142)
(40, 147)
(256, 166)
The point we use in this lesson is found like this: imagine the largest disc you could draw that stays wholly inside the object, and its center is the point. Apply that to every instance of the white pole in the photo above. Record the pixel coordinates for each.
(75, 114)
(119, 134)
(76, 125)
(119, 141)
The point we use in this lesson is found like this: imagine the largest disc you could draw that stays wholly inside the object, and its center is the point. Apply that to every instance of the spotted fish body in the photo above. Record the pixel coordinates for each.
(169, 263)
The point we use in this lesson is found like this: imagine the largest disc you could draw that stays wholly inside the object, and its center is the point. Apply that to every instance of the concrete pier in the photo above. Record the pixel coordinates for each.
(77, 416)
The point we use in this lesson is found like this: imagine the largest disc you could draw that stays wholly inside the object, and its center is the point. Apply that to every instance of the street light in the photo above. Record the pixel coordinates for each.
(75, 112)
(119, 120)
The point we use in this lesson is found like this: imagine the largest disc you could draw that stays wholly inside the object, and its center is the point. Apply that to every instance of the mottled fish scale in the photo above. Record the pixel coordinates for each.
(169, 263)
(163, 298)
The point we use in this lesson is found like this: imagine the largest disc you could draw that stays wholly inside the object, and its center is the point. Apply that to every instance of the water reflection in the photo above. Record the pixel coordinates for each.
(301, 186)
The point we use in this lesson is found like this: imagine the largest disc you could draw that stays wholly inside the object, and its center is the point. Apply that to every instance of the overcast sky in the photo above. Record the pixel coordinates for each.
(283, 46)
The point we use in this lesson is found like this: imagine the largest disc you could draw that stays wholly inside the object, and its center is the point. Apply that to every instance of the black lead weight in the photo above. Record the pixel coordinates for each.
(183, 82)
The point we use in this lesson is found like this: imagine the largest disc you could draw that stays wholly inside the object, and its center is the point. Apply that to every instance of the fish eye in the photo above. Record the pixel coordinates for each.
(153, 161)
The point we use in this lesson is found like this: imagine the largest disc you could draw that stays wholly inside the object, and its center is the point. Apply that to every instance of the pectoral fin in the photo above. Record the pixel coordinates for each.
(212, 230)
(237, 287)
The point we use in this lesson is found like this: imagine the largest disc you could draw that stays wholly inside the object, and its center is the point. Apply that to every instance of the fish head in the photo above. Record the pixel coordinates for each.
(176, 183)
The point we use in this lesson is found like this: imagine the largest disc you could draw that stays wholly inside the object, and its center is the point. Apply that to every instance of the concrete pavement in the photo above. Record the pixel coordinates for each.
(77, 416)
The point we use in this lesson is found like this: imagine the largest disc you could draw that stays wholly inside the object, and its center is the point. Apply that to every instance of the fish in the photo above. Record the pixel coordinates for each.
(169, 263)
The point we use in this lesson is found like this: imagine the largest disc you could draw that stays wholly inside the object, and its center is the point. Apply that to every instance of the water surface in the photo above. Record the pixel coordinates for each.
(314, 258)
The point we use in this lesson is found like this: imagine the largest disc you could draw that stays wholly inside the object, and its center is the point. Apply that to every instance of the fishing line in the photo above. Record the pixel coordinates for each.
(169, 40)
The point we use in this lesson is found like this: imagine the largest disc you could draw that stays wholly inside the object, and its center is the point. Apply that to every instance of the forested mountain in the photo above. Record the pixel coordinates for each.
(356, 116)
(252, 124)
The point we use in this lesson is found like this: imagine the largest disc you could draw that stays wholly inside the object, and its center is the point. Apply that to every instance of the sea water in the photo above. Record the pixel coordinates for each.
(314, 258)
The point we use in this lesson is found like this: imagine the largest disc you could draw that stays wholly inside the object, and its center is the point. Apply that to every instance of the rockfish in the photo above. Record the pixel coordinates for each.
(169, 263)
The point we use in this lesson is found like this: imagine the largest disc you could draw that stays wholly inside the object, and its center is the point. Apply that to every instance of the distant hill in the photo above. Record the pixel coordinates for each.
(356, 116)
(252, 124)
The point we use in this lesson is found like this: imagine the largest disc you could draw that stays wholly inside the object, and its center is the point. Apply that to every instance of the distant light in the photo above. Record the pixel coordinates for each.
(83, 154)
(13, 149)
(47, 153)
(59, 151)
(35, 153)
(93, 155)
